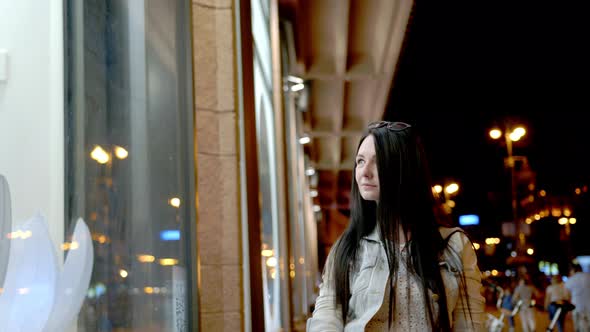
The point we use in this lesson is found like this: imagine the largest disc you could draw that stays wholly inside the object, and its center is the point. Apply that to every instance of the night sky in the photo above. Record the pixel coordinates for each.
(469, 65)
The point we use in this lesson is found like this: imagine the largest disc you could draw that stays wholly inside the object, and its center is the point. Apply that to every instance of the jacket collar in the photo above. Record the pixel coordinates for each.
(374, 236)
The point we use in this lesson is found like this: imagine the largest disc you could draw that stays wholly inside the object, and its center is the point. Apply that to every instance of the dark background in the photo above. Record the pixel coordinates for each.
(467, 66)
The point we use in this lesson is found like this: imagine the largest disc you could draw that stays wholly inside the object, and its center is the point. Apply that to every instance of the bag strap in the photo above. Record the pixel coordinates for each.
(446, 239)
(455, 255)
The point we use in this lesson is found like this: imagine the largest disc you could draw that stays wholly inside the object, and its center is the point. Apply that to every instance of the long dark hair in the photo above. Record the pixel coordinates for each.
(406, 202)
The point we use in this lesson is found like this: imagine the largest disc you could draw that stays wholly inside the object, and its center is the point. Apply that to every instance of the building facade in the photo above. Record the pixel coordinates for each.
(163, 163)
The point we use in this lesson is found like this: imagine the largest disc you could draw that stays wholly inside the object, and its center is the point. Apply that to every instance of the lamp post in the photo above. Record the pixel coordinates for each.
(512, 135)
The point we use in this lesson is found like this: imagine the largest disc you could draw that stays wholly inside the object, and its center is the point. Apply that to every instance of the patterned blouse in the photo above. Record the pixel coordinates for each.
(410, 311)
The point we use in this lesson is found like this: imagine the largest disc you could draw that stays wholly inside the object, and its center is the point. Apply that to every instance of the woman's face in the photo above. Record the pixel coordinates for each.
(366, 175)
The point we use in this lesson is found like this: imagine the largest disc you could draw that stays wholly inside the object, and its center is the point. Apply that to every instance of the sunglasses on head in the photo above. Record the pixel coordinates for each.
(394, 126)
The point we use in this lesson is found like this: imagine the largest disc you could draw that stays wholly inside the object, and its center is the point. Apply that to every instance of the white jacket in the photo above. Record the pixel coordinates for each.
(368, 284)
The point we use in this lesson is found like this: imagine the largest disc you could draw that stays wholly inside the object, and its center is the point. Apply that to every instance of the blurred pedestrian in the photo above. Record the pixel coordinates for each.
(555, 295)
(578, 285)
(507, 304)
(525, 291)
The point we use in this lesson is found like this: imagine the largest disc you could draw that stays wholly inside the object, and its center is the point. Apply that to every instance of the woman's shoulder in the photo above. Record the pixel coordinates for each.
(456, 237)
(445, 232)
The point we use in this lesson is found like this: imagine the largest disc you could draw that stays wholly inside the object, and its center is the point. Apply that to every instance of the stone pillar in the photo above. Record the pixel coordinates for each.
(218, 223)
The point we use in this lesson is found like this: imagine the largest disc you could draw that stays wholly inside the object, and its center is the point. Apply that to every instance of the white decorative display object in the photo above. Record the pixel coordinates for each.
(38, 296)
(5, 225)
(73, 281)
(29, 286)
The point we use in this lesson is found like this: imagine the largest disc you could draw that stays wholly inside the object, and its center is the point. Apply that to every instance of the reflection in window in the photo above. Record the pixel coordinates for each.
(303, 228)
(128, 159)
(270, 269)
(273, 281)
(302, 185)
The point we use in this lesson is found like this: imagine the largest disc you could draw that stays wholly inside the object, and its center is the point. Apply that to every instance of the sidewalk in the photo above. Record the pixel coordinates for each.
(542, 319)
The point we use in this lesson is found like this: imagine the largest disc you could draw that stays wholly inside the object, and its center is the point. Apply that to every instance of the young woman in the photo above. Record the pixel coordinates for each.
(395, 268)
(556, 294)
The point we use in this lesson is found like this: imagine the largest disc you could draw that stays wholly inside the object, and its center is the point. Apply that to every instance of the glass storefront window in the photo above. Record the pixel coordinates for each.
(271, 272)
(302, 186)
(275, 273)
(129, 160)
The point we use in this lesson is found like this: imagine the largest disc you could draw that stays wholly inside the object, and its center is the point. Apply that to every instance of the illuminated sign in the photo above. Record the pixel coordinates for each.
(468, 220)
(170, 235)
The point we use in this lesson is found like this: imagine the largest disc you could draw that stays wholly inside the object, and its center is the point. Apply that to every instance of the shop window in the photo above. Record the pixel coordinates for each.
(129, 160)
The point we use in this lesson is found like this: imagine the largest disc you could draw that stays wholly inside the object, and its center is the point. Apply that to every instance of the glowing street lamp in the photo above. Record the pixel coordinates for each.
(121, 153)
(565, 221)
(437, 189)
(495, 133)
(447, 191)
(100, 155)
(515, 135)
(452, 188)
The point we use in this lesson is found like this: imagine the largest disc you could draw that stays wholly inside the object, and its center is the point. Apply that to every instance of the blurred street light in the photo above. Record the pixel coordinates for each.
(447, 191)
(100, 155)
(492, 240)
(175, 202)
(438, 188)
(121, 153)
(305, 139)
(512, 135)
(515, 135)
(452, 188)
(564, 221)
(495, 133)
